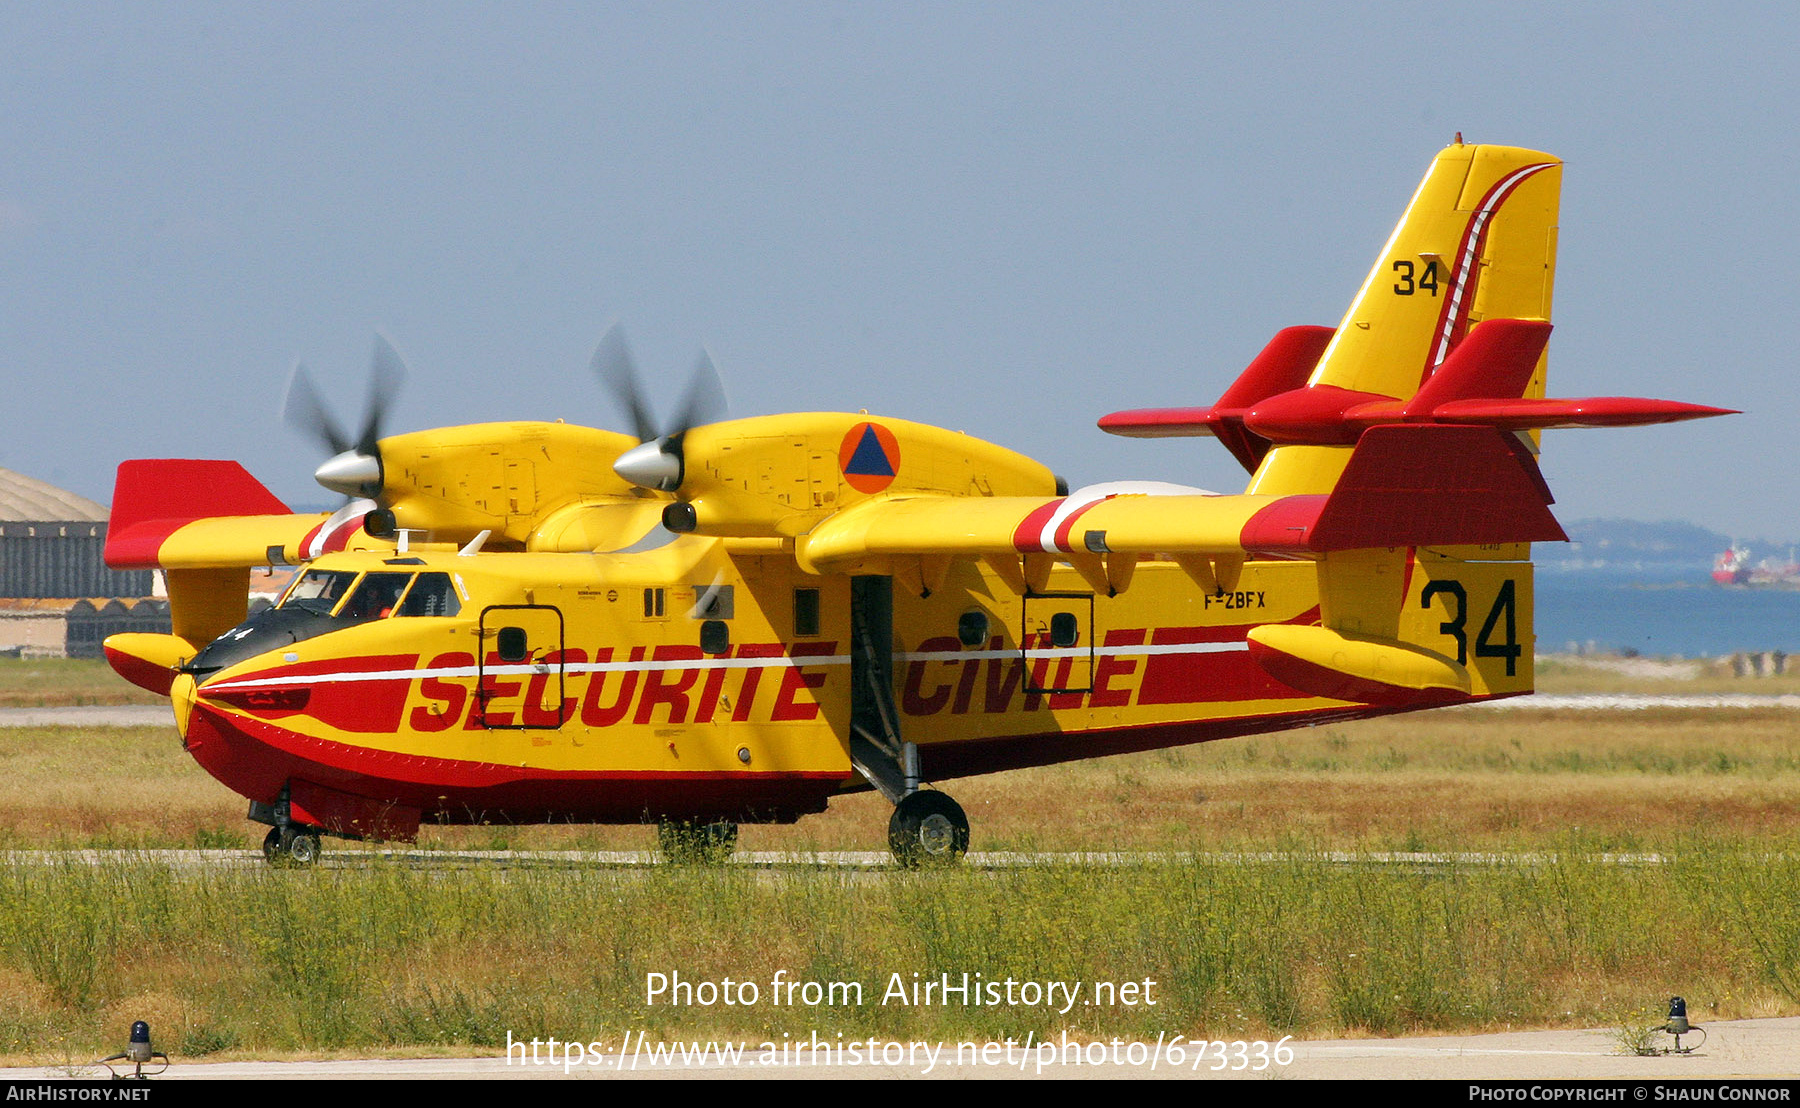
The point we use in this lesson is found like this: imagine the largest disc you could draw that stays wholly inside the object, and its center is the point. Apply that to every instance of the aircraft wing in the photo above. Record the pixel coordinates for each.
(1404, 486)
(180, 513)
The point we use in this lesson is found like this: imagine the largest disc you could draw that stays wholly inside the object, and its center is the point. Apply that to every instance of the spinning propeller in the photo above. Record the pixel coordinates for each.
(354, 467)
(656, 461)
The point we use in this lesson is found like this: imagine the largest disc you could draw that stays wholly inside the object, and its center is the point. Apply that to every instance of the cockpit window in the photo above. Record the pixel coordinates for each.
(432, 595)
(375, 597)
(327, 600)
(319, 590)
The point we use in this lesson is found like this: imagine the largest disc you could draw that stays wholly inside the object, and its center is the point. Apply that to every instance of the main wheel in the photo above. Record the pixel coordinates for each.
(928, 828)
(685, 842)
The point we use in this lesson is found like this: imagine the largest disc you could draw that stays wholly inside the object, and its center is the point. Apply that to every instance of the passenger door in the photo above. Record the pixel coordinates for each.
(519, 683)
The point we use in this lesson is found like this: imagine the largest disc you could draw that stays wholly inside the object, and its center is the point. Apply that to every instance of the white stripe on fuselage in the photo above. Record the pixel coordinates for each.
(526, 669)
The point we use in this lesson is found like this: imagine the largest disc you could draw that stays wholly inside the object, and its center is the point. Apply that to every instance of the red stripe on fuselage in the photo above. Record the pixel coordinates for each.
(1207, 678)
(367, 707)
(256, 759)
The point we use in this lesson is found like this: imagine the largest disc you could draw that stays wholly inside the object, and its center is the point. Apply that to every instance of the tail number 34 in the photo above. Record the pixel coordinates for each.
(1498, 637)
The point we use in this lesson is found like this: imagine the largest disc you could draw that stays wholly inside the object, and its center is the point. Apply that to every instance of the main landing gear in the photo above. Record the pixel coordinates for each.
(292, 845)
(927, 828)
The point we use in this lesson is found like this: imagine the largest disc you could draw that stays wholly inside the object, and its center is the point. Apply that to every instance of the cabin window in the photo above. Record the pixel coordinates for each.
(319, 590)
(1065, 629)
(511, 645)
(806, 611)
(715, 637)
(376, 596)
(715, 602)
(431, 595)
(972, 628)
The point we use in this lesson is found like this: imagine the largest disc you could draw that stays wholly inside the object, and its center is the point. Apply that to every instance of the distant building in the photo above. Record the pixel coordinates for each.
(56, 594)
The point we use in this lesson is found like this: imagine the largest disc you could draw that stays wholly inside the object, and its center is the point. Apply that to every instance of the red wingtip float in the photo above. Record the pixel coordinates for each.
(725, 621)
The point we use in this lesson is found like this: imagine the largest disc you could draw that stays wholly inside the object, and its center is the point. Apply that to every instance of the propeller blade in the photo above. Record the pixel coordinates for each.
(617, 371)
(354, 465)
(387, 373)
(657, 461)
(304, 411)
(705, 400)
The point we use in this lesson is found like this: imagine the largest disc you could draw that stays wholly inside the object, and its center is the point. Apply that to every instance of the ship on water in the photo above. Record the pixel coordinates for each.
(1734, 567)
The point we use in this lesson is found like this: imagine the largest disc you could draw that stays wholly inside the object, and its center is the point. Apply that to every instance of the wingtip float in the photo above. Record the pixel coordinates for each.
(715, 621)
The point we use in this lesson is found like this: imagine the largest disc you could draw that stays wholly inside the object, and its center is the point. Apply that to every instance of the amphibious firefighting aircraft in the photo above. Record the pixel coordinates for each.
(728, 621)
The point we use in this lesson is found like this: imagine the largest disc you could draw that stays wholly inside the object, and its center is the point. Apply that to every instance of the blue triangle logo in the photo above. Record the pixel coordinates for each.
(870, 460)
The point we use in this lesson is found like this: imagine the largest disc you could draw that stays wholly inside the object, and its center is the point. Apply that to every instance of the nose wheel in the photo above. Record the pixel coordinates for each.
(928, 828)
(291, 846)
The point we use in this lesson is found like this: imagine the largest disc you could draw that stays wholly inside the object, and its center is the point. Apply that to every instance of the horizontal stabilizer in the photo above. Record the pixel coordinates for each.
(1553, 412)
(1283, 366)
(1481, 384)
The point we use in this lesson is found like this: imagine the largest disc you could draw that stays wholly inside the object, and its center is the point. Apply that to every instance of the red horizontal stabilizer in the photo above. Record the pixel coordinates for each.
(1496, 360)
(1322, 415)
(1415, 486)
(1283, 366)
(1592, 411)
(1157, 423)
(155, 497)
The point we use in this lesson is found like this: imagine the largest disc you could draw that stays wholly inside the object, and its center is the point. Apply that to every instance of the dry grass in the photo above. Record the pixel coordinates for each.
(60, 682)
(1465, 780)
(1568, 673)
(379, 958)
(373, 957)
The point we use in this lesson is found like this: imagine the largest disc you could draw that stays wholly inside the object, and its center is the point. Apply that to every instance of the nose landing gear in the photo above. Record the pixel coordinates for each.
(292, 845)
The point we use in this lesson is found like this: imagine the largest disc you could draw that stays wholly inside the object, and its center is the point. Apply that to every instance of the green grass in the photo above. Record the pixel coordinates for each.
(382, 956)
(374, 956)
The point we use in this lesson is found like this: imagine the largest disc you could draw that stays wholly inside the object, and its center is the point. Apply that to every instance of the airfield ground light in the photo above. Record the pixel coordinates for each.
(138, 1052)
(1678, 1026)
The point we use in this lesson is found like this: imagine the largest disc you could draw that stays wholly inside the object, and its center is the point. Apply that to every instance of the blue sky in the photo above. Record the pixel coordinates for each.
(1007, 219)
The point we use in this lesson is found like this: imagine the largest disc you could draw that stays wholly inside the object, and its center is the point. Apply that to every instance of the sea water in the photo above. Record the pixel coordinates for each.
(1683, 616)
